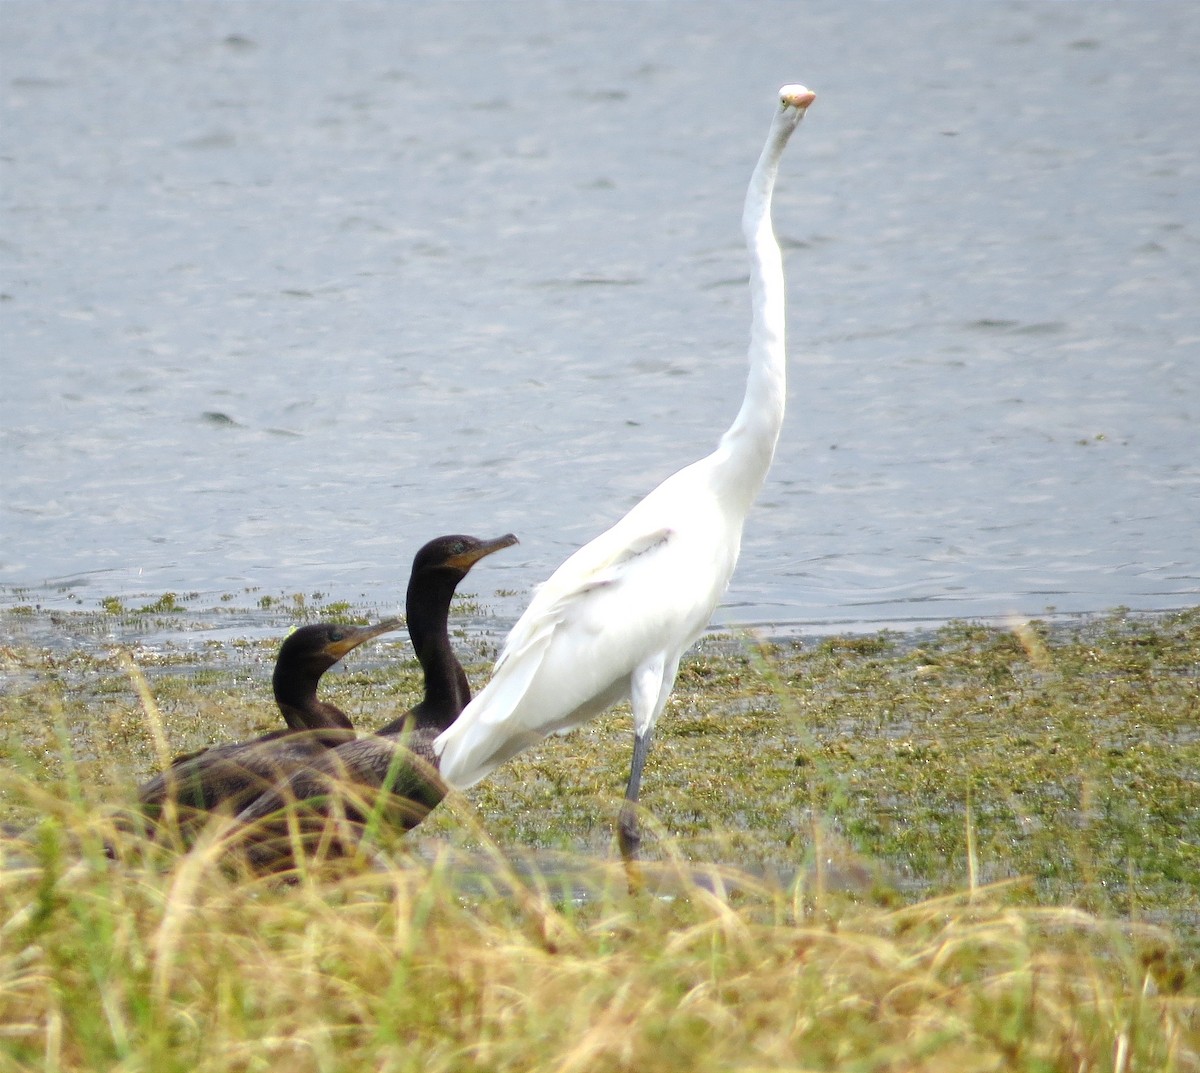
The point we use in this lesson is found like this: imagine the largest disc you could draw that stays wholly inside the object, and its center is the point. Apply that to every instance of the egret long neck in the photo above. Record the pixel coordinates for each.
(745, 451)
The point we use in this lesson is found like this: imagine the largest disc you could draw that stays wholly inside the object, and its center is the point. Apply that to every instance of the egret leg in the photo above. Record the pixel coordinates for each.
(650, 687)
(628, 836)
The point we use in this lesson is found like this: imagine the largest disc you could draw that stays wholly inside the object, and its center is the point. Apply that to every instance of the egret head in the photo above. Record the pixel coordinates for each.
(793, 103)
(796, 96)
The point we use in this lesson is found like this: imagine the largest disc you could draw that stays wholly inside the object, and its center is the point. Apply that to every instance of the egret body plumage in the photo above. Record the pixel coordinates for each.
(614, 620)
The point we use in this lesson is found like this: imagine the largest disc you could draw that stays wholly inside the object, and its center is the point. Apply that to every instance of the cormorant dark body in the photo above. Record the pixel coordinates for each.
(392, 772)
(228, 777)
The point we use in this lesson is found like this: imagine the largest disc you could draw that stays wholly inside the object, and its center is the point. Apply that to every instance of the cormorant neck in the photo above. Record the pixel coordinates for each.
(447, 690)
(296, 695)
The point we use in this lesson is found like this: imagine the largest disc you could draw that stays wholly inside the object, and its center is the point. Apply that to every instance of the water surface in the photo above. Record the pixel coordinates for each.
(290, 289)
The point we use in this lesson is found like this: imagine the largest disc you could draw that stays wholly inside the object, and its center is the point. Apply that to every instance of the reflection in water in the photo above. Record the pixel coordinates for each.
(284, 302)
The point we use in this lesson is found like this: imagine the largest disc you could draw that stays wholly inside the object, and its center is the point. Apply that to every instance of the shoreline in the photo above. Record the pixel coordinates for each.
(1069, 750)
(171, 619)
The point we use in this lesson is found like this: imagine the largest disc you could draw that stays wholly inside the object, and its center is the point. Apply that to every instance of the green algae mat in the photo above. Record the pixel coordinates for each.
(972, 848)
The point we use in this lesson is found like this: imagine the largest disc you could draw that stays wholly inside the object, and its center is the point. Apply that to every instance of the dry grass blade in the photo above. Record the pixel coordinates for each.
(503, 937)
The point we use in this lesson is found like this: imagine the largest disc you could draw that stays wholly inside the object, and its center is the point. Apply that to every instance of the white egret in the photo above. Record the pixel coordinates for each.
(614, 620)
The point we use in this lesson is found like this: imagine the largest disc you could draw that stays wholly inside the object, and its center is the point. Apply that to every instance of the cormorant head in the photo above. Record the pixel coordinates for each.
(456, 553)
(314, 649)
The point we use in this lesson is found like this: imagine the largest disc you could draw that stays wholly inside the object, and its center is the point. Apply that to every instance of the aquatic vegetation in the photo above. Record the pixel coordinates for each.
(974, 849)
(1072, 756)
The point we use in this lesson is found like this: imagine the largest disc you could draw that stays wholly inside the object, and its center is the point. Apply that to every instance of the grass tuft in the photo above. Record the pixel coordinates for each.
(975, 850)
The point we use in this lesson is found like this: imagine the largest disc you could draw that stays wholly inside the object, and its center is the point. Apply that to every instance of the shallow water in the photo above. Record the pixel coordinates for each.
(290, 289)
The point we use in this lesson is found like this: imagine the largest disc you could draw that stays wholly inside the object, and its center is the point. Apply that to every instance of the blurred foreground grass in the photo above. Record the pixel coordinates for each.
(973, 850)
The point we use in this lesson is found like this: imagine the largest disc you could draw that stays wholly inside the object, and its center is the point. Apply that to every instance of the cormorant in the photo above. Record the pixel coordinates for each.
(392, 771)
(230, 776)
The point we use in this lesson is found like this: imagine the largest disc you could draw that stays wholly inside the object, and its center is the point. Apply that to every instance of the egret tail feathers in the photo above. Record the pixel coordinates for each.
(491, 729)
(472, 746)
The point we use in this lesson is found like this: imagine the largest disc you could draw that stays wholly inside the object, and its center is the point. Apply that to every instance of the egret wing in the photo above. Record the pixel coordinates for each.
(556, 638)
